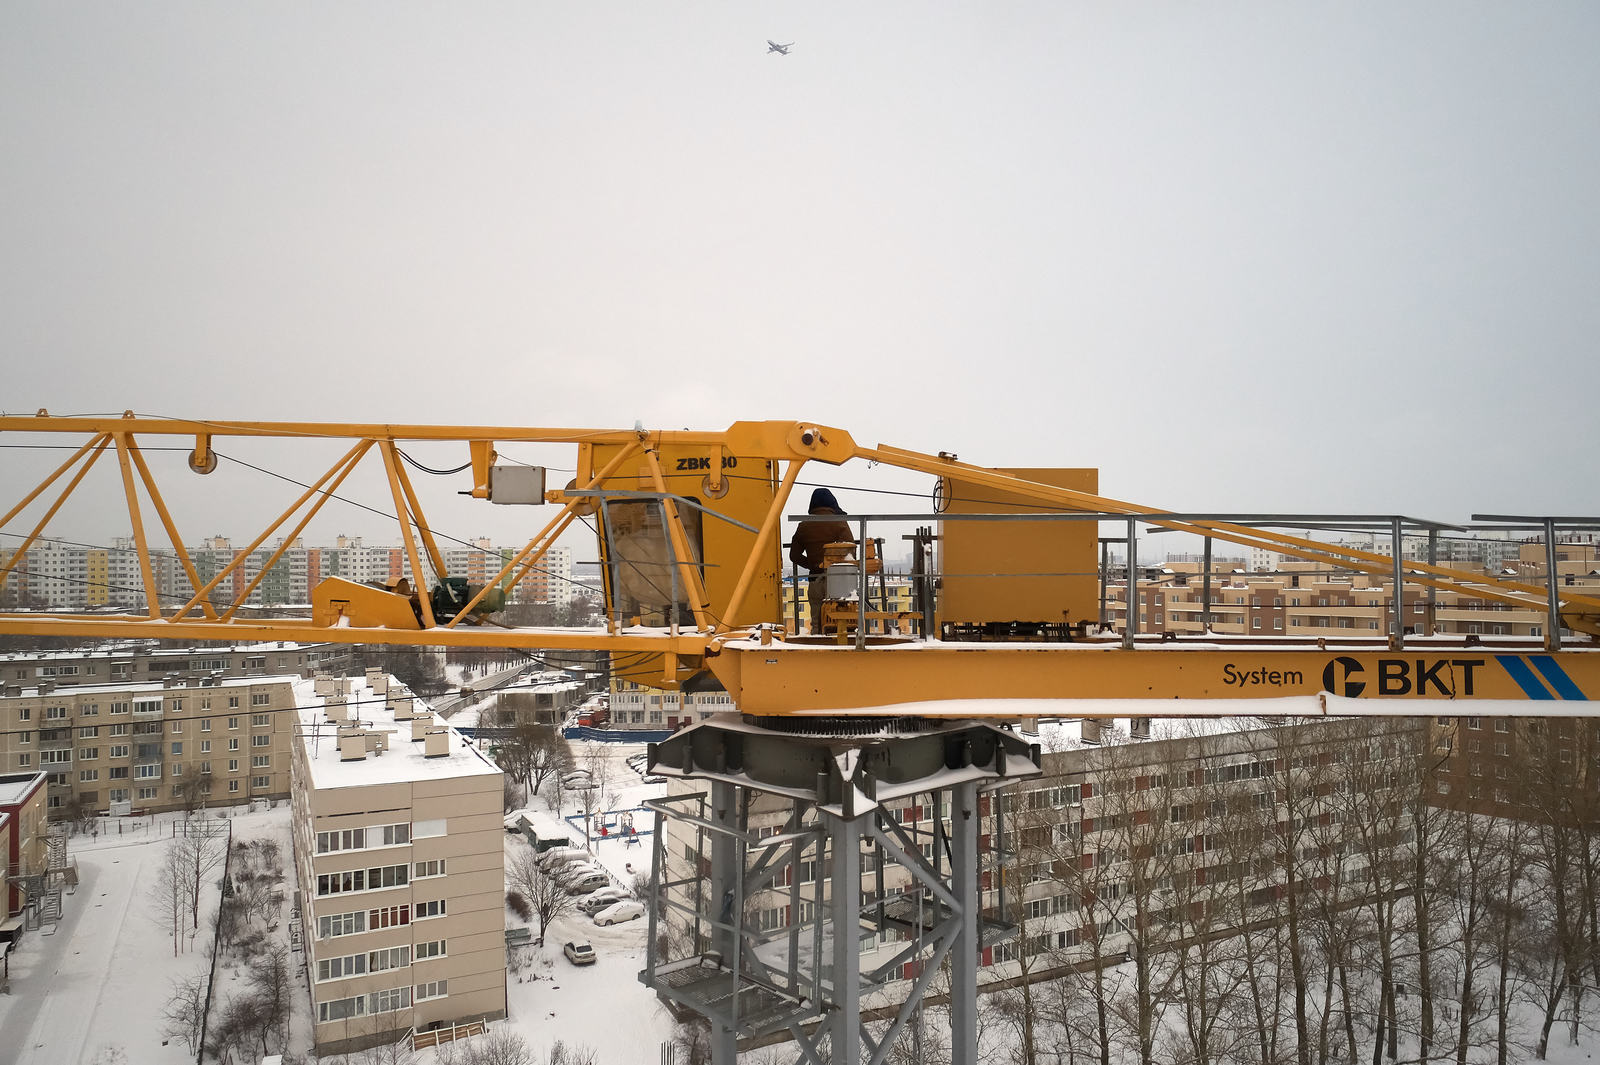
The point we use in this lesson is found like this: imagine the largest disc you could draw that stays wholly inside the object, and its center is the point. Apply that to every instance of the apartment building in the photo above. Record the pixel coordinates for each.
(638, 707)
(134, 746)
(1095, 857)
(149, 660)
(61, 575)
(399, 865)
(1311, 600)
(23, 845)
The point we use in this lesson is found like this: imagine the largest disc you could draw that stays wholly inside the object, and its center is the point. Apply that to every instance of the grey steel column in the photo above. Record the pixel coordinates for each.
(725, 858)
(1552, 637)
(1397, 638)
(1433, 593)
(964, 830)
(1205, 591)
(844, 902)
(1133, 586)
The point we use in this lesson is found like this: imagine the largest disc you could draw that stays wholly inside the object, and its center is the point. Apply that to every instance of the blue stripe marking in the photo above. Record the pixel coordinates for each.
(1524, 677)
(1563, 684)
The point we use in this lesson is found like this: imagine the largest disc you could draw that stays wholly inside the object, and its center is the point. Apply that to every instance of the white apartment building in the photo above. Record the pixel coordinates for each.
(399, 865)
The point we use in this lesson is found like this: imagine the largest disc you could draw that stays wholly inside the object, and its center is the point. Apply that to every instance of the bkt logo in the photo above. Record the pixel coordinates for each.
(1402, 676)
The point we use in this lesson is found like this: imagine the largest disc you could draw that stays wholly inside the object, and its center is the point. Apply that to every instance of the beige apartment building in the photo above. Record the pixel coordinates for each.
(1312, 600)
(399, 866)
(135, 747)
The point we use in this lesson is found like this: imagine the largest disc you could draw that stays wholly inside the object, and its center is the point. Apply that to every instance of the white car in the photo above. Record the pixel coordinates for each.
(596, 901)
(620, 912)
(556, 857)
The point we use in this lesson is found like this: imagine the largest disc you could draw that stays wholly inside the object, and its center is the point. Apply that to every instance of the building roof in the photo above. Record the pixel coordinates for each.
(16, 788)
(146, 651)
(191, 684)
(404, 761)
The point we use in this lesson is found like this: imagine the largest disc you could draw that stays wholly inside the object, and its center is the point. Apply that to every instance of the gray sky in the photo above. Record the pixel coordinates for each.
(1239, 256)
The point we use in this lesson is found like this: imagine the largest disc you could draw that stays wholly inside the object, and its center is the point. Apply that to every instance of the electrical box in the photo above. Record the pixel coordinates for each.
(516, 484)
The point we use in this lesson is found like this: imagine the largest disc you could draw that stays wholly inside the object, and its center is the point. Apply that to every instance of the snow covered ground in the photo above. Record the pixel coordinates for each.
(94, 991)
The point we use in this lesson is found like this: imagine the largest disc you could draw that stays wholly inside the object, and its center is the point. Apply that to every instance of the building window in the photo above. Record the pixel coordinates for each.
(341, 924)
(233, 767)
(260, 720)
(388, 917)
(259, 698)
(340, 968)
(86, 776)
(205, 746)
(341, 1008)
(435, 867)
(435, 908)
(177, 748)
(389, 958)
(397, 998)
(89, 733)
(205, 725)
(233, 785)
(260, 761)
(262, 740)
(434, 948)
(233, 743)
(260, 782)
(432, 989)
(233, 703)
(233, 722)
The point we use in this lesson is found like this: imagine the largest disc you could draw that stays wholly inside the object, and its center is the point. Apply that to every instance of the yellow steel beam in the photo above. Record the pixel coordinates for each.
(99, 445)
(168, 524)
(1000, 680)
(152, 593)
(349, 460)
(390, 463)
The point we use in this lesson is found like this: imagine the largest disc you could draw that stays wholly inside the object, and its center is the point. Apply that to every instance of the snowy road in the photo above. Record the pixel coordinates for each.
(93, 988)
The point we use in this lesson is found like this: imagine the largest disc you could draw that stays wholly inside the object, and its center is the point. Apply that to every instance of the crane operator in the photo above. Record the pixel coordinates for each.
(807, 549)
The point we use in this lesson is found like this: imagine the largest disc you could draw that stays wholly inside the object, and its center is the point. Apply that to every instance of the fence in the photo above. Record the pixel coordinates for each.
(216, 941)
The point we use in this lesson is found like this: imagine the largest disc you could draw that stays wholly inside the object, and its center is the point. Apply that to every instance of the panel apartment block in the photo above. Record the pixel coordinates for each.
(399, 864)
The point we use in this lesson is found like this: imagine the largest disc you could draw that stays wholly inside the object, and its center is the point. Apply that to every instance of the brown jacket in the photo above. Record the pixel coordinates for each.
(812, 535)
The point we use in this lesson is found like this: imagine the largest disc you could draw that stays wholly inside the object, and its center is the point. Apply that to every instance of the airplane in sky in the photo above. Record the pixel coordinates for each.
(781, 49)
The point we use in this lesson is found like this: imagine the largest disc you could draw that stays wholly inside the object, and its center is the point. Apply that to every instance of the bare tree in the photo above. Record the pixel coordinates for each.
(270, 980)
(171, 892)
(544, 891)
(203, 846)
(533, 753)
(185, 1011)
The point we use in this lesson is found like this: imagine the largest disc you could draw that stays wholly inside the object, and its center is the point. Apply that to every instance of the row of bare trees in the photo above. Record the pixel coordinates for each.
(1309, 893)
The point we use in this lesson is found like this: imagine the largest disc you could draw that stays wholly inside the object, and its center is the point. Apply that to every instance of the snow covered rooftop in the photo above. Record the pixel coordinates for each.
(191, 684)
(15, 787)
(403, 761)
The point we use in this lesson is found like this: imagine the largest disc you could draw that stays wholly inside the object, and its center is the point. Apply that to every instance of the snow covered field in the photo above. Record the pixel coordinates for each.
(94, 991)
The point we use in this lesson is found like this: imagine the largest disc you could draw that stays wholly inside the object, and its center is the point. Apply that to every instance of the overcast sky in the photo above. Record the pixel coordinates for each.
(1246, 257)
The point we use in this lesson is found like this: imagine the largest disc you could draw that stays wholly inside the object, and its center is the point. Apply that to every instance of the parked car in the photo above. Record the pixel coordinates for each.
(578, 781)
(620, 912)
(556, 857)
(588, 882)
(596, 901)
(579, 953)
